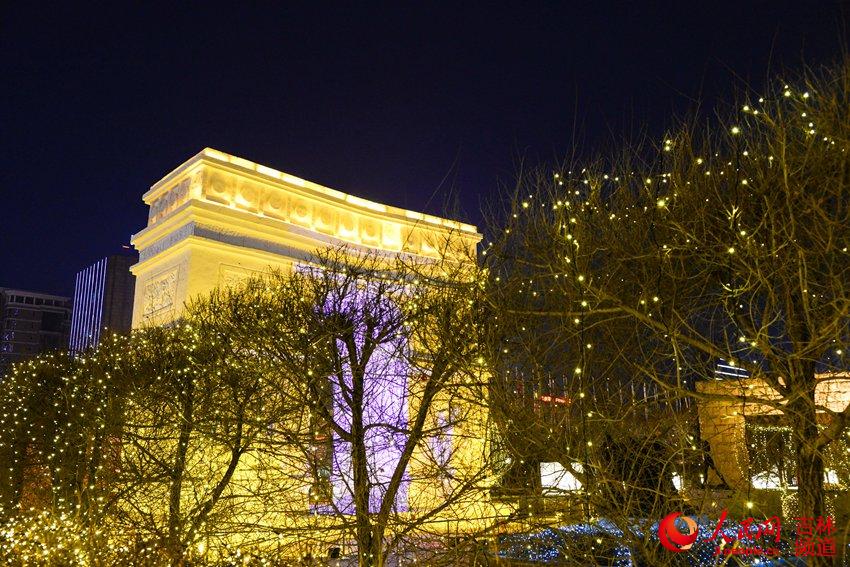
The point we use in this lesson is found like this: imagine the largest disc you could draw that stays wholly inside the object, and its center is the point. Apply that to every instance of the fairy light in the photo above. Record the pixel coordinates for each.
(725, 170)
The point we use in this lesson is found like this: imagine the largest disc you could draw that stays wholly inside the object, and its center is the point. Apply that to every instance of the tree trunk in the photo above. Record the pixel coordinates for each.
(368, 549)
(810, 465)
(376, 552)
(175, 544)
(366, 543)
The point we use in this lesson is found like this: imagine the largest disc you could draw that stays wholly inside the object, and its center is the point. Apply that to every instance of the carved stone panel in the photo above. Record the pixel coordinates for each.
(169, 201)
(218, 187)
(235, 275)
(167, 241)
(196, 184)
(347, 227)
(247, 195)
(370, 232)
(301, 212)
(275, 206)
(324, 219)
(160, 295)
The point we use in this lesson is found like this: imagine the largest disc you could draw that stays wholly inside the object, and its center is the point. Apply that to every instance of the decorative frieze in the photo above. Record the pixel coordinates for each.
(235, 275)
(169, 201)
(215, 207)
(337, 220)
(159, 295)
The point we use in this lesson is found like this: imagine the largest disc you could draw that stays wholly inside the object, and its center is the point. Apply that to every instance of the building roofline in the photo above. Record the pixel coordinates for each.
(216, 157)
(8, 290)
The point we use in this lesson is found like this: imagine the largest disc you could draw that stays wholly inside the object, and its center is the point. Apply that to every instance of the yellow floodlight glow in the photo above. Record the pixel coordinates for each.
(242, 162)
(256, 217)
(294, 180)
(215, 154)
(366, 204)
(271, 172)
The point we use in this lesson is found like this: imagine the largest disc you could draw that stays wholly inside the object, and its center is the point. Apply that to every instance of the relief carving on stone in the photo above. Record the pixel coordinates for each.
(300, 212)
(278, 203)
(217, 188)
(196, 185)
(167, 242)
(160, 294)
(369, 231)
(234, 275)
(247, 195)
(411, 241)
(169, 201)
(347, 227)
(324, 219)
(391, 236)
(276, 206)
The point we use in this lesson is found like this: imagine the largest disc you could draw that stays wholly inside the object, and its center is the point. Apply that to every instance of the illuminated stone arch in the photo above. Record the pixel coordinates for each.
(218, 218)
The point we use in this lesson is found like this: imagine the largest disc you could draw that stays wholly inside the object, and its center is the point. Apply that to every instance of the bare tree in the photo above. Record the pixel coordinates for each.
(339, 405)
(61, 419)
(192, 413)
(383, 359)
(723, 244)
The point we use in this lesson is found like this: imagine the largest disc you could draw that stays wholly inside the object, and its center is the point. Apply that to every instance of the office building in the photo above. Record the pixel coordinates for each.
(103, 300)
(31, 323)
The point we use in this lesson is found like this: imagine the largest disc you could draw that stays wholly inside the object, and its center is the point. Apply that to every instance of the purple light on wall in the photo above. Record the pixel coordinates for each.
(385, 417)
(385, 408)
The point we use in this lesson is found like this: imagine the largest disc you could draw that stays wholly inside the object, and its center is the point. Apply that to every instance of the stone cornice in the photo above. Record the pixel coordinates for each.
(299, 244)
(236, 199)
(298, 187)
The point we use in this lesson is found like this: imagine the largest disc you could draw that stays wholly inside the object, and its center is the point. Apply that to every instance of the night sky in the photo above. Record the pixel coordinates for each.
(400, 104)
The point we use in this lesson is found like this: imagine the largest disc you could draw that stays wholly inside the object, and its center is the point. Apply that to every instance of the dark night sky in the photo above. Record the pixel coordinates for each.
(398, 105)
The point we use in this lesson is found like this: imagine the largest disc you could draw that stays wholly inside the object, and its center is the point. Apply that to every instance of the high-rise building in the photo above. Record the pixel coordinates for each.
(103, 299)
(31, 323)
